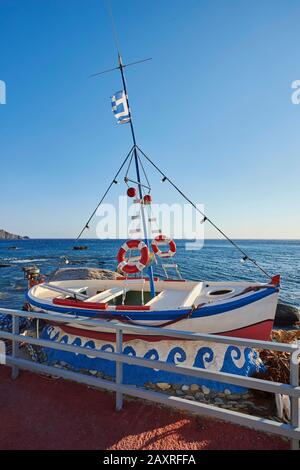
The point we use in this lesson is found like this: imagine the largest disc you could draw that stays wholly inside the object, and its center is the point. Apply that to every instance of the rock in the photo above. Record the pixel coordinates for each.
(189, 397)
(286, 315)
(264, 408)
(235, 396)
(185, 388)
(65, 274)
(163, 386)
(179, 393)
(257, 408)
(227, 392)
(176, 386)
(232, 403)
(221, 395)
(93, 372)
(11, 236)
(205, 390)
(247, 403)
(218, 401)
(194, 388)
(150, 385)
(199, 396)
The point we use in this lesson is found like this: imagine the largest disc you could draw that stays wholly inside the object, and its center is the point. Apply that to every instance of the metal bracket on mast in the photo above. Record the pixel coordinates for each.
(117, 68)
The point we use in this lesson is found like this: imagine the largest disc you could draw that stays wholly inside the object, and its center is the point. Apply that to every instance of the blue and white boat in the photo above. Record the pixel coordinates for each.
(240, 309)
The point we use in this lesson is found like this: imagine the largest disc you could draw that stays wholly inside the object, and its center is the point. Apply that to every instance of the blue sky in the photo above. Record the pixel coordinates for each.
(213, 108)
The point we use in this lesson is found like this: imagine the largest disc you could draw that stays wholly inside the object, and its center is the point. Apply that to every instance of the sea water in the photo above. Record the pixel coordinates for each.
(216, 261)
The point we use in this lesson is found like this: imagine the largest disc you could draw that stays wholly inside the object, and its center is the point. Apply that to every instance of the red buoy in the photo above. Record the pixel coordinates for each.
(147, 199)
(162, 239)
(131, 192)
(133, 267)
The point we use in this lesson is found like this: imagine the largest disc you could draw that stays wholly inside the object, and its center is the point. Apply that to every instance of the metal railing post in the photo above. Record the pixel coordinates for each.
(295, 401)
(119, 369)
(15, 345)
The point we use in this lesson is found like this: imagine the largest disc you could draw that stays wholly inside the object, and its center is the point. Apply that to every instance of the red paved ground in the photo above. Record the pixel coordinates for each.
(41, 413)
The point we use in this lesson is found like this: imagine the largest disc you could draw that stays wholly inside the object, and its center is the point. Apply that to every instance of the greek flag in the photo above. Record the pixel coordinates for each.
(119, 107)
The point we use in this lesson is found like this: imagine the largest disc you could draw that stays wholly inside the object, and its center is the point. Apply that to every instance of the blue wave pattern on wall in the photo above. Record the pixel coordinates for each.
(248, 361)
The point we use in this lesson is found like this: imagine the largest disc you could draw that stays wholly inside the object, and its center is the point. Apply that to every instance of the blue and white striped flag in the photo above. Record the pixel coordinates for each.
(119, 107)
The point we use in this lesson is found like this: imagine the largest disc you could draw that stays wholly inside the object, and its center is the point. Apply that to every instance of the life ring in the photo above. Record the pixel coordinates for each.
(163, 239)
(133, 266)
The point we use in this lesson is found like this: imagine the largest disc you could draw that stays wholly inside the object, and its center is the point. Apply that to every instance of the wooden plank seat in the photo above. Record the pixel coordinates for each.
(73, 292)
(106, 295)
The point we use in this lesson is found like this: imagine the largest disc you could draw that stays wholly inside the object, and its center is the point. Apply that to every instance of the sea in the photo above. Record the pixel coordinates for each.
(216, 261)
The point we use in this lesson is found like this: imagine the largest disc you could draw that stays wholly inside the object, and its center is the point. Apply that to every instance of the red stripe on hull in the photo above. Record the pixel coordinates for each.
(260, 331)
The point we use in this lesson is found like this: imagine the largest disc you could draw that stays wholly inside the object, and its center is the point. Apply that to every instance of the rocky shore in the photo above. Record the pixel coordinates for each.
(4, 235)
(286, 315)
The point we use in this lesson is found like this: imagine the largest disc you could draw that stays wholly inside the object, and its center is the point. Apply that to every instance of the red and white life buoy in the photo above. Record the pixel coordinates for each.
(133, 267)
(162, 239)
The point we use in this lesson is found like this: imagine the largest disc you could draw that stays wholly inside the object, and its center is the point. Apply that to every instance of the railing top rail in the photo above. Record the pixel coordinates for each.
(116, 325)
(192, 371)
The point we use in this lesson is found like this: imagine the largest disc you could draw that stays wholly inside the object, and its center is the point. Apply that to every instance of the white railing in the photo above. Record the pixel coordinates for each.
(291, 430)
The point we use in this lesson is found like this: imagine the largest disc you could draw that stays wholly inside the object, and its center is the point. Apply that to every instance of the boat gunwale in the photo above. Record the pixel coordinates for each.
(152, 315)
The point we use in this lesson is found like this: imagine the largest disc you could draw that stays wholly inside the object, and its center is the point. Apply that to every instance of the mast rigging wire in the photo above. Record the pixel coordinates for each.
(104, 195)
(134, 152)
(205, 218)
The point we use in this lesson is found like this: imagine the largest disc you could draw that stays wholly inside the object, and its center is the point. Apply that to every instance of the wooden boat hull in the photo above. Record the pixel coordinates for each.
(246, 313)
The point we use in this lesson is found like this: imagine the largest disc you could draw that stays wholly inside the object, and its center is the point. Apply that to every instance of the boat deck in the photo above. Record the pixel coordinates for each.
(169, 294)
(47, 413)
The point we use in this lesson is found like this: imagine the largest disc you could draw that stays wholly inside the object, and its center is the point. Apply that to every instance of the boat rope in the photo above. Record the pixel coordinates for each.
(128, 168)
(114, 181)
(205, 217)
(145, 174)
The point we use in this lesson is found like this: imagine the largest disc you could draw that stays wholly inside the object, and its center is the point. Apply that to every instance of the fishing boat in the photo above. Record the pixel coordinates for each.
(136, 296)
(240, 309)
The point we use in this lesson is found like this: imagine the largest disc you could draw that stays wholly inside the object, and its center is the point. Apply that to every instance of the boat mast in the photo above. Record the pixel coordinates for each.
(138, 176)
(135, 149)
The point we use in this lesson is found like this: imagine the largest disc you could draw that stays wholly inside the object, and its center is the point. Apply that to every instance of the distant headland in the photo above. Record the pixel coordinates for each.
(11, 236)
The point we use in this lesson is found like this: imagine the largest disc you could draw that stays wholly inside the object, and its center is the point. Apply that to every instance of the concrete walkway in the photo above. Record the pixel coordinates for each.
(47, 413)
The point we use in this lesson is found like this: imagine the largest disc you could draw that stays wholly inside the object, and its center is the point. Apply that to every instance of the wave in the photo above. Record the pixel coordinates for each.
(27, 260)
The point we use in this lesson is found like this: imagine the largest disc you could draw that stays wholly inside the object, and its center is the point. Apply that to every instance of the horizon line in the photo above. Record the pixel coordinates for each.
(115, 239)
